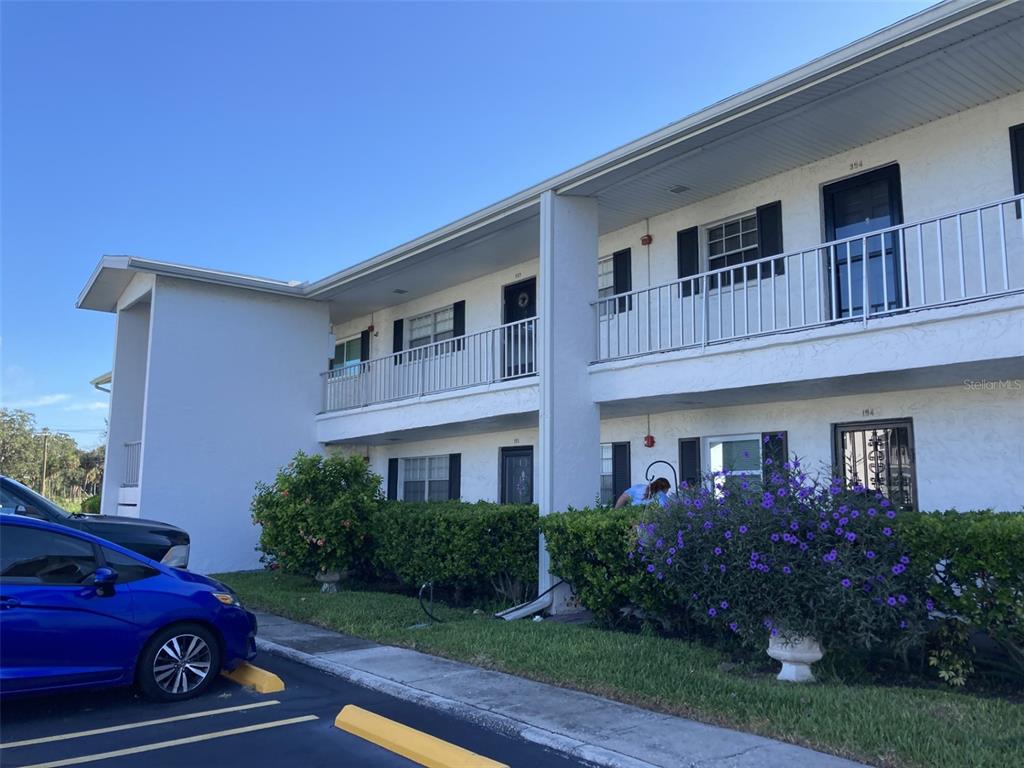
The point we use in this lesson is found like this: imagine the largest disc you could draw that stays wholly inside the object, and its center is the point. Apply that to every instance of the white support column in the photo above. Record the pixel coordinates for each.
(569, 450)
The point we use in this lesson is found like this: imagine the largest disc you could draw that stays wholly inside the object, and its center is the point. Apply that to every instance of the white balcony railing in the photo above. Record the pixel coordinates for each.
(132, 461)
(497, 354)
(958, 257)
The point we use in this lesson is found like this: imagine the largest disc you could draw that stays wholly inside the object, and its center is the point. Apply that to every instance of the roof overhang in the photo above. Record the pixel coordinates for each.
(113, 274)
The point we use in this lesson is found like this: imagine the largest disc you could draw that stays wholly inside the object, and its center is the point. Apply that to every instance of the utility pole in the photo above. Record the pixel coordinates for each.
(46, 438)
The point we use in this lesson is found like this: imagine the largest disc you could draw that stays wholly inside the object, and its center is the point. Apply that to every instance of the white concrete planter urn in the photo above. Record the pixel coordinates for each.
(796, 654)
(328, 580)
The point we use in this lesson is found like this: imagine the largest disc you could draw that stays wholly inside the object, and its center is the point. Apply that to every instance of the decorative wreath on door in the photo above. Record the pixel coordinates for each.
(523, 300)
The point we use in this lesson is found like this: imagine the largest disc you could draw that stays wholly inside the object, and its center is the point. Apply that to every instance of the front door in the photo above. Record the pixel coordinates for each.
(865, 203)
(517, 475)
(518, 340)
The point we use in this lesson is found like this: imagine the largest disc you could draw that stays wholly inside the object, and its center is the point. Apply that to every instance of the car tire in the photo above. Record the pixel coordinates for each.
(178, 662)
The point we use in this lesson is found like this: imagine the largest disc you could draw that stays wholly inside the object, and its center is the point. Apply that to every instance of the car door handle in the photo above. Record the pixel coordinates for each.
(9, 602)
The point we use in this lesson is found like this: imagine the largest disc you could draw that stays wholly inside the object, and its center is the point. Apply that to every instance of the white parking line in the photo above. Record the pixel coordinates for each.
(130, 726)
(172, 743)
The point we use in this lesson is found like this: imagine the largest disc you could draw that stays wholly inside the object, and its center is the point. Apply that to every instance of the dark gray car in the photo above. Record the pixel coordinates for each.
(159, 541)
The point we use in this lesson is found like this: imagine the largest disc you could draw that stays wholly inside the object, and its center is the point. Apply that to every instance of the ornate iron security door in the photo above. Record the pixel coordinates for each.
(880, 456)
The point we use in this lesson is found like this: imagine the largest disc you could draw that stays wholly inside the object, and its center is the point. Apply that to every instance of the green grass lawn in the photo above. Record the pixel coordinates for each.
(884, 726)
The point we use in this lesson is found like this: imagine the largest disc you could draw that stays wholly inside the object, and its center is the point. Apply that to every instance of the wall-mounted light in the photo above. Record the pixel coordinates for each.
(646, 239)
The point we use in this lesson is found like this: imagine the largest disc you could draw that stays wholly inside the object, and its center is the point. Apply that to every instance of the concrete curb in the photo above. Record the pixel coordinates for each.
(598, 756)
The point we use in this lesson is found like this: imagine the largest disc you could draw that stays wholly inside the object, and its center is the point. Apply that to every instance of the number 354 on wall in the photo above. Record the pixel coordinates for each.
(856, 164)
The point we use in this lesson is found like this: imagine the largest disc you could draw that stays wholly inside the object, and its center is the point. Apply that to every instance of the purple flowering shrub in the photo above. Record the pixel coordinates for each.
(790, 554)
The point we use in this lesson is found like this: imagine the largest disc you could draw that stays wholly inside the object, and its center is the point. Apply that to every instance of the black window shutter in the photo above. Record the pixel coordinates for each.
(769, 237)
(774, 453)
(1017, 160)
(364, 346)
(459, 322)
(454, 476)
(620, 469)
(398, 339)
(459, 318)
(688, 256)
(393, 479)
(689, 461)
(622, 276)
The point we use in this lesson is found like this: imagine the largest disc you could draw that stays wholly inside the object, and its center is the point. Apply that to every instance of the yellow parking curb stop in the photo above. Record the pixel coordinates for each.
(258, 679)
(415, 745)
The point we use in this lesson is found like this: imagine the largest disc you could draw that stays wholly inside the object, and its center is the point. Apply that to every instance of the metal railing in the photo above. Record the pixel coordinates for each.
(132, 462)
(497, 354)
(960, 256)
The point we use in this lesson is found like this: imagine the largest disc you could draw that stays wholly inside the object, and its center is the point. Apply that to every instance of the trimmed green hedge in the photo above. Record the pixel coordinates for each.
(91, 505)
(458, 545)
(976, 567)
(590, 548)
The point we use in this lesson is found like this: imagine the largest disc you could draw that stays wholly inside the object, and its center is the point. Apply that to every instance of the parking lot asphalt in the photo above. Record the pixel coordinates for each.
(297, 729)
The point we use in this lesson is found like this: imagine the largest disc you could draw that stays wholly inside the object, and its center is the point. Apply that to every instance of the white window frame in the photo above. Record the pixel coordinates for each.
(707, 241)
(606, 269)
(705, 443)
(348, 365)
(431, 461)
(610, 460)
(435, 336)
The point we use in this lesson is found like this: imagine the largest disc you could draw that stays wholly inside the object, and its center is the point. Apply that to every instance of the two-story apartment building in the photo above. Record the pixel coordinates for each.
(830, 264)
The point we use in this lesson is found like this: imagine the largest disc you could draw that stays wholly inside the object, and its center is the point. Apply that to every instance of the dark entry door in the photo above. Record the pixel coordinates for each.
(517, 475)
(518, 339)
(856, 206)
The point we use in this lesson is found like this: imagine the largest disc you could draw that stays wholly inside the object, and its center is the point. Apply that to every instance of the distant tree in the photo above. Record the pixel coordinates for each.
(20, 454)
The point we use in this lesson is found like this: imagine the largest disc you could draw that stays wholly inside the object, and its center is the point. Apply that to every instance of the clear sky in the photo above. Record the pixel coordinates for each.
(293, 139)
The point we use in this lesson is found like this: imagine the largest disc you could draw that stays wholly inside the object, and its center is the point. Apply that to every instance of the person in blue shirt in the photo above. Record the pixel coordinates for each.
(643, 494)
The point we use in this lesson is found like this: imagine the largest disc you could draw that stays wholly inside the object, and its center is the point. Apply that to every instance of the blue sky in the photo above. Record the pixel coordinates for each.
(293, 139)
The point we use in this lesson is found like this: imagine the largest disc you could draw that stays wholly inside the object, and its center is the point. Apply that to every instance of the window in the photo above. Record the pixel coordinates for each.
(432, 326)
(1017, 160)
(128, 569)
(606, 277)
(880, 456)
(607, 474)
(347, 354)
(424, 478)
(733, 242)
(739, 455)
(38, 556)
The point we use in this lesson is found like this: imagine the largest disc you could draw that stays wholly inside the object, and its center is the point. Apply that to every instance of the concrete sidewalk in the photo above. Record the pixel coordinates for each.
(586, 727)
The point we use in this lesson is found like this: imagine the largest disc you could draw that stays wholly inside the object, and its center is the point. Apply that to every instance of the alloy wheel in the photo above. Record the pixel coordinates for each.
(182, 664)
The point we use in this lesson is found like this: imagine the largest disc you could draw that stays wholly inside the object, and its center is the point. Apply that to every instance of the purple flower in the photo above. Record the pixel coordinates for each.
(734, 626)
(903, 624)
(810, 535)
(721, 568)
(855, 514)
(929, 604)
(728, 534)
(754, 555)
(891, 600)
(902, 599)
(743, 529)
(718, 550)
(794, 526)
(803, 546)
(905, 560)
(630, 555)
(885, 502)
(659, 543)
(668, 561)
(898, 569)
(707, 525)
(872, 511)
(724, 604)
(660, 576)
(824, 526)
(712, 612)
(775, 537)
(890, 513)
(775, 633)
(836, 515)
(870, 554)
(839, 531)
(844, 520)
(650, 569)
(846, 583)
(787, 570)
(887, 531)
(851, 536)
(767, 623)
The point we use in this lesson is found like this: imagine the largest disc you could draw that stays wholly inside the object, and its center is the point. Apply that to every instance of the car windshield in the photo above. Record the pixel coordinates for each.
(33, 499)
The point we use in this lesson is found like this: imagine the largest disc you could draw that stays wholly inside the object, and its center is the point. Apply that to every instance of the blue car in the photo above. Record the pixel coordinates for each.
(77, 611)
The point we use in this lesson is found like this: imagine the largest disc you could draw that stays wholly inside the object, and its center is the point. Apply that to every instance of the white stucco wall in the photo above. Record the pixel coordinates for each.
(127, 400)
(232, 390)
(483, 297)
(958, 162)
(967, 439)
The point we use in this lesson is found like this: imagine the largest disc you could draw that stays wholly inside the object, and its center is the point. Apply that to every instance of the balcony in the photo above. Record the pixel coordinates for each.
(500, 354)
(956, 258)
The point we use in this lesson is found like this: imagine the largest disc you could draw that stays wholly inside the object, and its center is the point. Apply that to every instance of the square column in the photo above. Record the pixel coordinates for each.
(569, 441)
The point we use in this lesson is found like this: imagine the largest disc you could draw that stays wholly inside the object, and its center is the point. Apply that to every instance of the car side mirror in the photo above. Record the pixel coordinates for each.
(103, 579)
